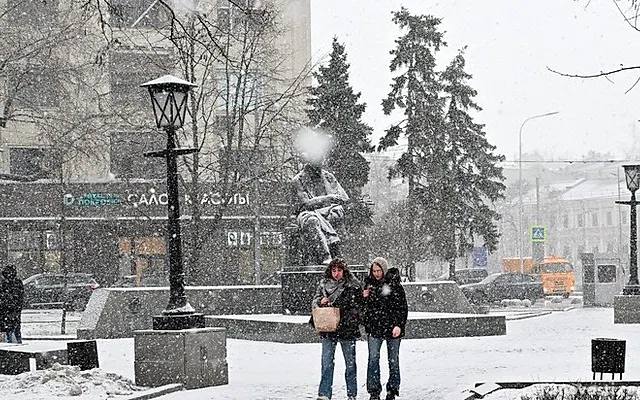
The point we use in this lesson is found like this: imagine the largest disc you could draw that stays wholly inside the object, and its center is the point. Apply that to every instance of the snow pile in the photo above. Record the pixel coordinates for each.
(64, 381)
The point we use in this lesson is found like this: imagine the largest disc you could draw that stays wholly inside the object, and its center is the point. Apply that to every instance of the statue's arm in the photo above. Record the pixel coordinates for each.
(313, 203)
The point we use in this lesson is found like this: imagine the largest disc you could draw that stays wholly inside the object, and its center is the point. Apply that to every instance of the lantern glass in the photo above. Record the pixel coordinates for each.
(632, 175)
(169, 100)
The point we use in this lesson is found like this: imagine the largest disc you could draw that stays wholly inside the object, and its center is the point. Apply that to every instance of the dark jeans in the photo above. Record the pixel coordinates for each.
(14, 335)
(328, 353)
(374, 386)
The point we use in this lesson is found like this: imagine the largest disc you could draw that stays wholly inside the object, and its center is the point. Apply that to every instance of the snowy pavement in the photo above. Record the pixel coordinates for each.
(554, 346)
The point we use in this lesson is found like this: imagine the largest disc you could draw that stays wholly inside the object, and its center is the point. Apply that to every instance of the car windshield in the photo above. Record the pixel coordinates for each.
(555, 267)
(490, 278)
(77, 279)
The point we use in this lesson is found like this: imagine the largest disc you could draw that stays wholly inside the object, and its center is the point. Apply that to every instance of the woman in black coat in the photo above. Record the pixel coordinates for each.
(339, 288)
(385, 313)
(11, 299)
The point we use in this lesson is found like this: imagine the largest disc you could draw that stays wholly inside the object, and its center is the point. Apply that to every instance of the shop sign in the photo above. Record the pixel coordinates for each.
(93, 200)
(150, 198)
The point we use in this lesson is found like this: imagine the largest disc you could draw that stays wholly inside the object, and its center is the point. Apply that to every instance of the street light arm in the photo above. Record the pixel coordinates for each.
(529, 119)
(520, 230)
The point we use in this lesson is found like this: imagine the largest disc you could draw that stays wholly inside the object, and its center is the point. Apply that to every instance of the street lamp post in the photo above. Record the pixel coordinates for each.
(632, 175)
(169, 100)
(520, 231)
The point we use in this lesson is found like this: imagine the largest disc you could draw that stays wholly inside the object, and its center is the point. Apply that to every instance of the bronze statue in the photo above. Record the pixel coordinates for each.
(320, 216)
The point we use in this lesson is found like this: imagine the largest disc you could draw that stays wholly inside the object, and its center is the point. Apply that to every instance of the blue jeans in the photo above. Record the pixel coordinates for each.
(374, 386)
(350, 375)
(14, 336)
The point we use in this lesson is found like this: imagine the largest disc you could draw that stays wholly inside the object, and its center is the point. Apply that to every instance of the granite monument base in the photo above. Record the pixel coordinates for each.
(193, 357)
(299, 285)
(626, 309)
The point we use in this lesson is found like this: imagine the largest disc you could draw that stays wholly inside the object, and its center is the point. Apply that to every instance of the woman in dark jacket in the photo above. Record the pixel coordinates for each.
(339, 288)
(11, 299)
(386, 313)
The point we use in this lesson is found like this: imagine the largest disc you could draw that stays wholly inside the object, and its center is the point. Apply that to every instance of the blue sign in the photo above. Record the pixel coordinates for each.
(480, 256)
(538, 234)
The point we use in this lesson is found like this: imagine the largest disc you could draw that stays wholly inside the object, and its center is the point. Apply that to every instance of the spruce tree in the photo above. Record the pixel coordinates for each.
(452, 172)
(333, 106)
(416, 91)
(471, 178)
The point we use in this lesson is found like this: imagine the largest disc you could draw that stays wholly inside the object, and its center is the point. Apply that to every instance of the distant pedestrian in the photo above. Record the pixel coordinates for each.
(339, 288)
(385, 317)
(11, 300)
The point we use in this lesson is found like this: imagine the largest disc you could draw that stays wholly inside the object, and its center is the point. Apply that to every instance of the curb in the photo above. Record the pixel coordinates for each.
(155, 392)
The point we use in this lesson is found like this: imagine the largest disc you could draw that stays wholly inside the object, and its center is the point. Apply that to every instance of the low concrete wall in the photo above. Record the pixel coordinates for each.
(296, 328)
(117, 312)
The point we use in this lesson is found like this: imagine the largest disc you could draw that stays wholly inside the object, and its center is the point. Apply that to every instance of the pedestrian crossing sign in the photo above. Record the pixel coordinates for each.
(538, 234)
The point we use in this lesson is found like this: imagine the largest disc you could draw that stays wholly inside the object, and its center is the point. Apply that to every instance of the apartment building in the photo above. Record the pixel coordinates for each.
(78, 193)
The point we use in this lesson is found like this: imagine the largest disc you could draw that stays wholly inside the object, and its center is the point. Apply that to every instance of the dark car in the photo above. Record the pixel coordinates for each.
(146, 281)
(502, 286)
(48, 290)
(466, 275)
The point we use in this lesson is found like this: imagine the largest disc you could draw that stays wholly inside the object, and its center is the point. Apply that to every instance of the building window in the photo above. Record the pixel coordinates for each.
(34, 162)
(232, 14)
(127, 155)
(34, 86)
(606, 273)
(23, 13)
(609, 218)
(594, 219)
(138, 14)
(247, 87)
(609, 247)
(129, 69)
(30, 252)
(245, 162)
(565, 222)
(580, 220)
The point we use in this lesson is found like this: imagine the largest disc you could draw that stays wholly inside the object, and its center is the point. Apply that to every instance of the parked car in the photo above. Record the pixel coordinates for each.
(145, 281)
(504, 285)
(466, 275)
(49, 290)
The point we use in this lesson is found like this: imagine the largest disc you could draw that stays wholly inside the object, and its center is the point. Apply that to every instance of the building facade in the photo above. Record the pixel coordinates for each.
(78, 194)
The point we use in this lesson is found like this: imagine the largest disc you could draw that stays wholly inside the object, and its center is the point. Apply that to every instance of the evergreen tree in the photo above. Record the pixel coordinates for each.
(334, 106)
(416, 90)
(471, 177)
(452, 171)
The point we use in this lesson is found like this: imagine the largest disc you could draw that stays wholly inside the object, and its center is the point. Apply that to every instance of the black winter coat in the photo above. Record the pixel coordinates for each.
(350, 304)
(386, 306)
(11, 299)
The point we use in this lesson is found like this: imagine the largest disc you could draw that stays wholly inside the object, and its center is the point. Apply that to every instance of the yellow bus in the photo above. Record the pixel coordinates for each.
(558, 277)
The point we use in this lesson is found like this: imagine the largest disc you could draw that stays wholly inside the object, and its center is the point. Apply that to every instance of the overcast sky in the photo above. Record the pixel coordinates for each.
(510, 44)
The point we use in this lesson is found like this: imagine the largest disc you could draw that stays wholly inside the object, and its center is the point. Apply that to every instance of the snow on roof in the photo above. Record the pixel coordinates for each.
(592, 189)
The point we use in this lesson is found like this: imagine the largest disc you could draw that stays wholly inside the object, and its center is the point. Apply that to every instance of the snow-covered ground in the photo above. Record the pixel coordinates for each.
(550, 347)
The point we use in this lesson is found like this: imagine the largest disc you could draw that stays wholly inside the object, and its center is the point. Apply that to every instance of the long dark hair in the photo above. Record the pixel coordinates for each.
(338, 263)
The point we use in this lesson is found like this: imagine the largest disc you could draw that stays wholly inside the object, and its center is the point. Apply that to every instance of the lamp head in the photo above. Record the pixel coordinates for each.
(632, 175)
(169, 100)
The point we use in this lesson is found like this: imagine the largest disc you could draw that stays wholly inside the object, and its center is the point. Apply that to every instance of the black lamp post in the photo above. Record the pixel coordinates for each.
(632, 175)
(169, 100)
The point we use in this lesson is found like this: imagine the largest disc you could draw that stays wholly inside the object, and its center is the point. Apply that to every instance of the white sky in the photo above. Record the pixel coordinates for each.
(510, 45)
(551, 347)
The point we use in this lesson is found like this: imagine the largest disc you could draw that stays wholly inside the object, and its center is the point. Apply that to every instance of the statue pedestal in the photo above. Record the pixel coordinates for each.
(626, 309)
(299, 285)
